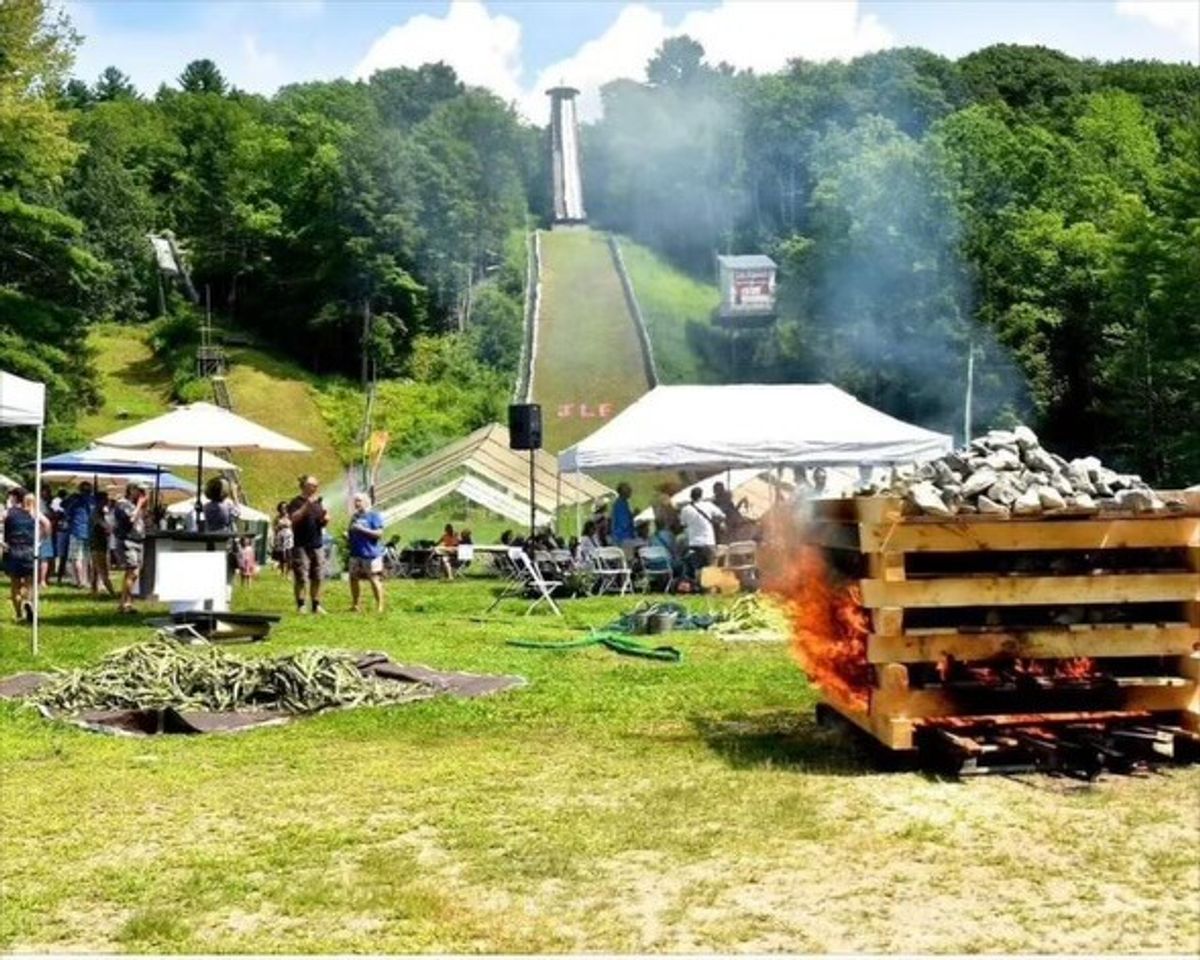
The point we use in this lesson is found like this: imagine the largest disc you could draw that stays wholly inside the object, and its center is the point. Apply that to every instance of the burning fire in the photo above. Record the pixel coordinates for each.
(829, 625)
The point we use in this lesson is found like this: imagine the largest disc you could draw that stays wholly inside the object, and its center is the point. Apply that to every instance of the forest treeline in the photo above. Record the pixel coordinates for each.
(1038, 211)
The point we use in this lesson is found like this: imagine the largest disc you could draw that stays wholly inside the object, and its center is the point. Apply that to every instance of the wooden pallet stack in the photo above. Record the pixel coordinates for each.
(919, 573)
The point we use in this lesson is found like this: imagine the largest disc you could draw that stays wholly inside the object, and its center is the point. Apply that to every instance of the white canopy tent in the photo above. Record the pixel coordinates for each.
(23, 404)
(246, 513)
(7, 483)
(750, 425)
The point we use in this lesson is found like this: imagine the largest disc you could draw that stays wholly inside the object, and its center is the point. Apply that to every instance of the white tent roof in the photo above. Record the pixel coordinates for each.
(201, 425)
(22, 402)
(161, 456)
(246, 513)
(7, 483)
(750, 425)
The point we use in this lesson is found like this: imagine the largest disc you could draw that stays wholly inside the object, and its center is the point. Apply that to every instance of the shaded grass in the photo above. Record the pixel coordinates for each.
(670, 300)
(610, 805)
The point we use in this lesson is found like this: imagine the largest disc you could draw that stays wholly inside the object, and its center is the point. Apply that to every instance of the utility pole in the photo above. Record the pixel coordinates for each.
(366, 337)
(970, 393)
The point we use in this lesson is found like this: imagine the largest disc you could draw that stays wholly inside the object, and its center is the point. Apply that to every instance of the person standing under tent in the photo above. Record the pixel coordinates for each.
(101, 533)
(623, 531)
(129, 529)
(700, 526)
(61, 535)
(366, 552)
(309, 518)
(77, 509)
(735, 521)
(46, 543)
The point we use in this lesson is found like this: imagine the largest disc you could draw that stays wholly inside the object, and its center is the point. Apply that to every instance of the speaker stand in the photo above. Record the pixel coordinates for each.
(532, 501)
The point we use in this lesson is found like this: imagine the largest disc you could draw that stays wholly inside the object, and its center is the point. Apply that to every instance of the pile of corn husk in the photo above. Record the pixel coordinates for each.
(1009, 472)
(161, 673)
(752, 616)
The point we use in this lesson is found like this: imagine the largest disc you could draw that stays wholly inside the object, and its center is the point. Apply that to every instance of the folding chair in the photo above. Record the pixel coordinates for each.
(656, 565)
(742, 561)
(612, 571)
(529, 582)
(563, 561)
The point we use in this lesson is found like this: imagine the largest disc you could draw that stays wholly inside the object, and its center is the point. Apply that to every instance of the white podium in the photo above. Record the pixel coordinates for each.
(190, 570)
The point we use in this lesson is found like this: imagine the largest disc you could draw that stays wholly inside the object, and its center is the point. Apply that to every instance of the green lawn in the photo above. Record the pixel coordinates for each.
(670, 300)
(611, 805)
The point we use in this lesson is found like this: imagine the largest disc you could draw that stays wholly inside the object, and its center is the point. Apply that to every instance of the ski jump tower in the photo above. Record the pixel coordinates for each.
(564, 157)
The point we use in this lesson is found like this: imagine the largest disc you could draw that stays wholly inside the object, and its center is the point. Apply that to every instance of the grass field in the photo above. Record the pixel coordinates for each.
(670, 300)
(610, 805)
(269, 391)
(588, 349)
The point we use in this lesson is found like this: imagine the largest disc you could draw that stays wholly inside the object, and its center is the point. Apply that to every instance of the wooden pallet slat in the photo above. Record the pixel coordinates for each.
(1048, 644)
(1021, 590)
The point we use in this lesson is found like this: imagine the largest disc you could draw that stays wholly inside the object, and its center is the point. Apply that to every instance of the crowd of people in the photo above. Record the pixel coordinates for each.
(87, 538)
(82, 537)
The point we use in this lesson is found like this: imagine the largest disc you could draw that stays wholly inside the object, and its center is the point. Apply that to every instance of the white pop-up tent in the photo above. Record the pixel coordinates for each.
(23, 404)
(750, 425)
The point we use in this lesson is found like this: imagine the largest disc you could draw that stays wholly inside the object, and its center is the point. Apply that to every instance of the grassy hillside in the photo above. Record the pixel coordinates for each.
(282, 396)
(588, 350)
(670, 300)
(272, 392)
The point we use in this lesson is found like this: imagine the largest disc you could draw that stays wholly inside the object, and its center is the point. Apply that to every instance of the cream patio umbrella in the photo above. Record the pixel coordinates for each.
(195, 427)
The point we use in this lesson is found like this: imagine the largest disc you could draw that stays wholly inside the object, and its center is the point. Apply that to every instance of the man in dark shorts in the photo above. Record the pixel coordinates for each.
(309, 518)
(129, 529)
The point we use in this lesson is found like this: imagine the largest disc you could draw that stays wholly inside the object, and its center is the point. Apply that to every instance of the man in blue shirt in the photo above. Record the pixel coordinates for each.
(78, 509)
(366, 551)
(622, 517)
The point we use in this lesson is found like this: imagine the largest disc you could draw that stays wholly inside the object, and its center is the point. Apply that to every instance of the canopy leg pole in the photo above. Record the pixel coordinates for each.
(578, 508)
(37, 541)
(557, 497)
(532, 499)
(199, 478)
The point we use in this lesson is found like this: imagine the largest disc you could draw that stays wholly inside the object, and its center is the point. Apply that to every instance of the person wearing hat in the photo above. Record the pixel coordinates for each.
(129, 529)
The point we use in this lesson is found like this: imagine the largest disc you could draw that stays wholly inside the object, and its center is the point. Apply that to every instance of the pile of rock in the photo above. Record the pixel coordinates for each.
(1009, 472)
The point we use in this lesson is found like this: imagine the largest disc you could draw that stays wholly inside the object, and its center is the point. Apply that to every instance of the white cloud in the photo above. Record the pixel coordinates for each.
(1180, 18)
(763, 35)
(484, 50)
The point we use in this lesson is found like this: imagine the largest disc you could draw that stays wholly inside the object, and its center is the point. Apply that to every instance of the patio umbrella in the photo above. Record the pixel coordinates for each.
(159, 456)
(200, 425)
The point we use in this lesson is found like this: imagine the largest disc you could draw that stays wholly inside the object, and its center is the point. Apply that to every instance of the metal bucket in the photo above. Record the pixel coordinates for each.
(662, 622)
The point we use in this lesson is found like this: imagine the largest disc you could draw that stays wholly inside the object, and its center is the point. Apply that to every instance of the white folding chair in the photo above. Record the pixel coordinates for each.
(563, 561)
(612, 571)
(742, 560)
(529, 582)
(656, 565)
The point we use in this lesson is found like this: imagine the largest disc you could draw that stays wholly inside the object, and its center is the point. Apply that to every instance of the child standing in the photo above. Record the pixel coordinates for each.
(247, 561)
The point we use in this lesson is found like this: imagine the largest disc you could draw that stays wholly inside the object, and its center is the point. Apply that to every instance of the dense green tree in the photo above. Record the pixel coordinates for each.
(202, 76)
(113, 85)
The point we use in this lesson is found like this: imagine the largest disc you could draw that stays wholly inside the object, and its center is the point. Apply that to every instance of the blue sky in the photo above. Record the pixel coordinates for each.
(517, 47)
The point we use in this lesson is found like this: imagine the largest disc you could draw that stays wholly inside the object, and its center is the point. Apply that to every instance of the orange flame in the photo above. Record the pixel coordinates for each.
(829, 625)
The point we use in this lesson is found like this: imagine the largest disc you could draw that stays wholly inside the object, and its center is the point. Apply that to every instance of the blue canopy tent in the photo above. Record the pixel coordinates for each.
(80, 465)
